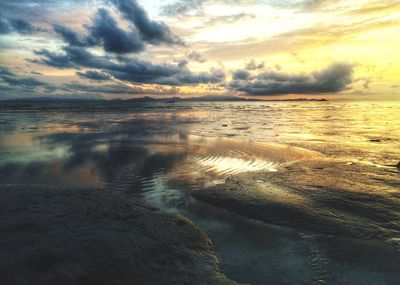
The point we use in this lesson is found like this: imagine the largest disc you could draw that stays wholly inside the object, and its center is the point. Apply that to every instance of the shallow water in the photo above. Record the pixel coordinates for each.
(163, 151)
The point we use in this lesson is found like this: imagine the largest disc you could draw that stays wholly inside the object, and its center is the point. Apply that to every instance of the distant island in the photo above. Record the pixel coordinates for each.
(167, 100)
(219, 99)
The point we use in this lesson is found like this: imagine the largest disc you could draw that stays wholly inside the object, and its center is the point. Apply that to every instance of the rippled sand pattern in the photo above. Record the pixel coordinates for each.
(231, 165)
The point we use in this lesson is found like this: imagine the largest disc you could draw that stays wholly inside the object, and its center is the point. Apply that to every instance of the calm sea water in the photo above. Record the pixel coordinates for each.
(161, 151)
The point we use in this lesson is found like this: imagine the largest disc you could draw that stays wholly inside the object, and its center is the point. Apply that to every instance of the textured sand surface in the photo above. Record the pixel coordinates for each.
(352, 200)
(66, 236)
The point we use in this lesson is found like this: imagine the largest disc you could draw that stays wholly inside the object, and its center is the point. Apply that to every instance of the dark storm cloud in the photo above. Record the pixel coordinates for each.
(95, 75)
(73, 57)
(70, 36)
(12, 85)
(137, 71)
(22, 82)
(53, 59)
(22, 26)
(103, 32)
(240, 75)
(4, 70)
(335, 78)
(9, 25)
(150, 31)
(6, 88)
(186, 77)
(119, 89)
(114, 39)
(244, 74)
(133, 70)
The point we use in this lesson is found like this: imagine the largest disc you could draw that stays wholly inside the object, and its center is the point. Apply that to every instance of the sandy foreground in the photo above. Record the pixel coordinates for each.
(323, 196)
(60, 236)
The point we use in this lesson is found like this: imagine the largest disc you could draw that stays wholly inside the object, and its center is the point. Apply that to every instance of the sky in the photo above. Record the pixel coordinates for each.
(267, 49)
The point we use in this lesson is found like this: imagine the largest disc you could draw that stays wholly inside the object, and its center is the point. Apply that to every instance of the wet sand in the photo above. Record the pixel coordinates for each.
(55, 235)
(323, 196)
(336, 223)
(284, 215)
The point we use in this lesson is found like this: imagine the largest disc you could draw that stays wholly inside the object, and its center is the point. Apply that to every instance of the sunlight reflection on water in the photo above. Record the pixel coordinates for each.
(233, 165)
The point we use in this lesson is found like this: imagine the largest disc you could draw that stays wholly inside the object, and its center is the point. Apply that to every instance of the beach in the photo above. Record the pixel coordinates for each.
(237, 192)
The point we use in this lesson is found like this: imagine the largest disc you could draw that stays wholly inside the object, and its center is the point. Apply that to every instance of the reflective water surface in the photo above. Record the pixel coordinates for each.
(161, 152)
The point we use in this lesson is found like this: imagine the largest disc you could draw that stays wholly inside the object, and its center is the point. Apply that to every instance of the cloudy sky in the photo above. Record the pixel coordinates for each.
(254, 48)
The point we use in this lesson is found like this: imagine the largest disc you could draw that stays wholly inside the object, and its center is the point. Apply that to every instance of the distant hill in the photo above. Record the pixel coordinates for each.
(166, 100)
